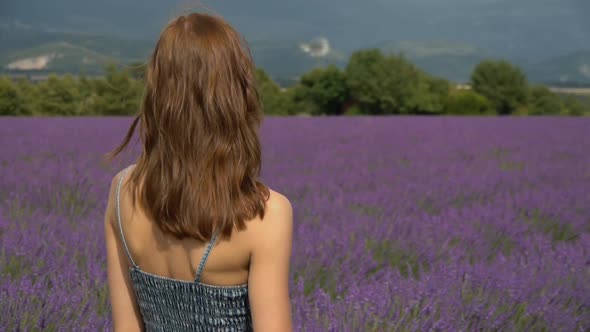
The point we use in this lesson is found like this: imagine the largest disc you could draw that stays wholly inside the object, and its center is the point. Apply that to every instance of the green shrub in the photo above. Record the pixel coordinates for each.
(11, 99)
(325, 89)
(502, 83)
(544, 102)
(466, 102)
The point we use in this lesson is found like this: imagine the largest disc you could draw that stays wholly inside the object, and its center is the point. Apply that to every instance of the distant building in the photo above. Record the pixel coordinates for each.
(463, 87)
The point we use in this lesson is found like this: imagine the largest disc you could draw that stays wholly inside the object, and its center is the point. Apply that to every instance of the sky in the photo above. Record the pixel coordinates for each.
(521, 28)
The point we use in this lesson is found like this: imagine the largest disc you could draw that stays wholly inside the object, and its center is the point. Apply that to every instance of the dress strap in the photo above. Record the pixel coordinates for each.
(119, 214)
(206, 255)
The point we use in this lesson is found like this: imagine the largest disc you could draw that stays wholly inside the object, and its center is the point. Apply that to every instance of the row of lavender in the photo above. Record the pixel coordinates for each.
(402, 223)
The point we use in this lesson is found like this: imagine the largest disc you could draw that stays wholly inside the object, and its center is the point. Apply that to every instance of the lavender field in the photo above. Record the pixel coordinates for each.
(401, 223)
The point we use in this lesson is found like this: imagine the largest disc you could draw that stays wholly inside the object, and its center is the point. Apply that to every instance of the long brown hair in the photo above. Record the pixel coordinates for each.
(199, 121)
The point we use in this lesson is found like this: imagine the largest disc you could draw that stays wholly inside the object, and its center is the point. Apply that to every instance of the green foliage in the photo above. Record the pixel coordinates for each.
(544, 102)
(375, 83)
(430, 96)
(576, 106)
(57, 96)
(559, 231)
(354, 110)
(11, 100)
(137, 70)
(86, 94)
(321, 277)
(392, 85)
(15, 267)
(117, 94)
(389, 253)
(466, 102)
(27, 92)
(274, 100)
(324, 89)
(502, 83)
(372, 83)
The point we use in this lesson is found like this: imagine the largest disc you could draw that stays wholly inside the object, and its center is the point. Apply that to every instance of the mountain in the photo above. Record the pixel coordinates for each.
(528, 29)
(285, 60)
(58, 57)
(27, 48)
(455, 61)
(36, 50)
(570, 69)
(451, 60)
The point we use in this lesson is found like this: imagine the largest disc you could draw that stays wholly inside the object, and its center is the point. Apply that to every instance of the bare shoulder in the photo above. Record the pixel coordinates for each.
(268, 277)
(278, 205)
(111, 201)
(277, 221)
(115, 183)
(126, 172)
(115, 180)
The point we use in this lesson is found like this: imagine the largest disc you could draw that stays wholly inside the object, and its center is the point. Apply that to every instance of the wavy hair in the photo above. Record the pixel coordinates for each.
(199, 119)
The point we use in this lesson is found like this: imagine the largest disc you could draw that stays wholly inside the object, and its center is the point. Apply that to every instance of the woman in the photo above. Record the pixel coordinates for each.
(194, 241)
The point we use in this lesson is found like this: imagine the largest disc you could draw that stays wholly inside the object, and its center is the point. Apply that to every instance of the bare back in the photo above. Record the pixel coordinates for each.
(253, 262)
(164, 255)
(201, 104)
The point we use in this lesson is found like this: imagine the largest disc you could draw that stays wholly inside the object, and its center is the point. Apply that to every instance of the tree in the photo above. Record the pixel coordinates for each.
(11, 101)
(502, 83)
(117, 94)
(544, 102)
(573, 106)
(58, 96)
(430, 96)
(325, 89)
(273, 99)
(137, 70)
(466, 102)
(392, 85)
(28, 95)
(367, 81)
(87, 95)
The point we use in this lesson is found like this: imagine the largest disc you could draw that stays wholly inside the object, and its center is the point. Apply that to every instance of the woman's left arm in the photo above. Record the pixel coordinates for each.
(125, 312)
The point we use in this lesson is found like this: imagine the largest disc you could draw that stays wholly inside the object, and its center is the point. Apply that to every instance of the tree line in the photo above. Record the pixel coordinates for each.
(372, 83)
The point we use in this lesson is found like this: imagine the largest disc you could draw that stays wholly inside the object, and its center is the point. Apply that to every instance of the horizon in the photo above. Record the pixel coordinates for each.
(446, 40)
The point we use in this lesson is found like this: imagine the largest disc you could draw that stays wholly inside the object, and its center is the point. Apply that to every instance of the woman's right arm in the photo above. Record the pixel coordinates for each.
(268, 281)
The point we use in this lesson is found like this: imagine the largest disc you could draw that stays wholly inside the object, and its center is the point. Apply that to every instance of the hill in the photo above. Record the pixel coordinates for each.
(455, 61)
(570, 69)
(34, 50)
(528, 29)
(451, 60)
(65, 52)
